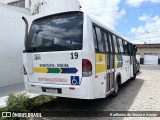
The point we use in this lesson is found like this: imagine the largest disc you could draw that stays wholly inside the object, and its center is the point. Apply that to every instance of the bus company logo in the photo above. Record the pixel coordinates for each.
(75, 80)
(37, 57)
(6, 114)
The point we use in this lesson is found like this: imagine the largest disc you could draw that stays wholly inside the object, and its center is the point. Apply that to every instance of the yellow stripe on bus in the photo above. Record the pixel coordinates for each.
(100, 57)
(40, 70)
(116, 62)
(100, 63)
(100, 68)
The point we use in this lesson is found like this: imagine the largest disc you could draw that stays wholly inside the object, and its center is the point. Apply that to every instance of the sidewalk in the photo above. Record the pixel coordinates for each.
(11, 89)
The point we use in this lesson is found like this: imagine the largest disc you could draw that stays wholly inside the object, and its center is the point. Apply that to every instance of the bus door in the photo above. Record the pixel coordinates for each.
(131, 62)
(134, 59)
(110, 62)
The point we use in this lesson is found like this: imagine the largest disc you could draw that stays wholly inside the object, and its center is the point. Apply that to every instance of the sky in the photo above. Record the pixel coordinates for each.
(137, 20)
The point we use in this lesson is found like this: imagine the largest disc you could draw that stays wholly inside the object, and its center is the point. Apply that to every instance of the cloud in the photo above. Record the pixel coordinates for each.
(137, 3)
(105, 11)
(144, 17)
(149, 32)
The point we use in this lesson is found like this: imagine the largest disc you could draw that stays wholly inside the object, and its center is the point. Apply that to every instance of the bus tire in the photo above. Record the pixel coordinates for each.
(116, 88)
(134, 77)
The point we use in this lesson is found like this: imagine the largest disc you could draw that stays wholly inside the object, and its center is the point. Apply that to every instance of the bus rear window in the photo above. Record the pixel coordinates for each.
(62, 32)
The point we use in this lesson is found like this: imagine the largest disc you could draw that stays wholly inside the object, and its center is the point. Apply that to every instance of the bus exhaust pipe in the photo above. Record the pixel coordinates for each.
(26, 31)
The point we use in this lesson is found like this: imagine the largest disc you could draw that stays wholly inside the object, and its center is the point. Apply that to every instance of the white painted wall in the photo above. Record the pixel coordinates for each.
(46, 7)
(12, 44)
(151, 59)
(12, 32)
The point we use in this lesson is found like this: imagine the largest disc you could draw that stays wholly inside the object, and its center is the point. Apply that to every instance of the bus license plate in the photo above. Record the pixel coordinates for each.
(51, 90)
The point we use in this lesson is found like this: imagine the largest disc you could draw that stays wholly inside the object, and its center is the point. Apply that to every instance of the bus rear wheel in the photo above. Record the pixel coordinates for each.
(134, 77)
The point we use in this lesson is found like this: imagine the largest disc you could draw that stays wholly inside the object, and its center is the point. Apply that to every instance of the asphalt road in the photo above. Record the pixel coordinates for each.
(141, 94)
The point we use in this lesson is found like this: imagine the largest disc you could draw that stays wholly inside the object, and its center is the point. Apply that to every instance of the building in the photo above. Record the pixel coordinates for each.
(148, 54)
(44, 7)
(12, 32)
(17, 3)
(47, 7)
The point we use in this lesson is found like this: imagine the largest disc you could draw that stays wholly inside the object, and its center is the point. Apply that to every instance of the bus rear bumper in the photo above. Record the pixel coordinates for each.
(68, 91)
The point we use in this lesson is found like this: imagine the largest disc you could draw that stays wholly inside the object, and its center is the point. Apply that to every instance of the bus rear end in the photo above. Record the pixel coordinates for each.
(53, 57)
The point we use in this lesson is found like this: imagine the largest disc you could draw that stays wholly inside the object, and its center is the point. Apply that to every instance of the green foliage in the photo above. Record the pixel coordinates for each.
(22, 103)
(17, 102)
(2, 109)
(35, 103)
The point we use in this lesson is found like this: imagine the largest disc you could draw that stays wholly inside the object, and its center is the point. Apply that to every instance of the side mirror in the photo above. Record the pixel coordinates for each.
(136, 49)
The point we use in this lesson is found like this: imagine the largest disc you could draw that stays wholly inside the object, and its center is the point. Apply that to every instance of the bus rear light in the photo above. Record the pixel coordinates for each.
(86, 68)
(72, 88)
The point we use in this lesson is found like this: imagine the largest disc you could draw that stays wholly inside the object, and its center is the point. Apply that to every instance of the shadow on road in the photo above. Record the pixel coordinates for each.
(139, 73)
(127, 94)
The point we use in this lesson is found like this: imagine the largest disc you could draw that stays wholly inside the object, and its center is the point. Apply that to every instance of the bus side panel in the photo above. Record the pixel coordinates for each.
(88, 53)
(123, 67)
(126, 74)
(96, 83)
(100, 76)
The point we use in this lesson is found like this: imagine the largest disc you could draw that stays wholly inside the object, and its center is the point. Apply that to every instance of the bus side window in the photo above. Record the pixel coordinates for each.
(121, 46)
(106, 42)
(100, 41)
(95, 40)
(118, 46)
(108, 49)
(112, 51)
(126, 50)
(129, 49)
(111, 44)
(115, 44)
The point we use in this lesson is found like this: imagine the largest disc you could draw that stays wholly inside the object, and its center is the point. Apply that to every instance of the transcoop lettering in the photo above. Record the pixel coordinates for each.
(60, 80)
(53, 65)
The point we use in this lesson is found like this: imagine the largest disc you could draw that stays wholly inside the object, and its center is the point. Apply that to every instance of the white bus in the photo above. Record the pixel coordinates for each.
(72, 55)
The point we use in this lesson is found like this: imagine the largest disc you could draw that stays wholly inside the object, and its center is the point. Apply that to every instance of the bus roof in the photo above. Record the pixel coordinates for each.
(93, 19)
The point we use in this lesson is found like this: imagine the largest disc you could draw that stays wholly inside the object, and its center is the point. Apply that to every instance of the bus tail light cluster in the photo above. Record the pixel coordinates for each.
(86, 68)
